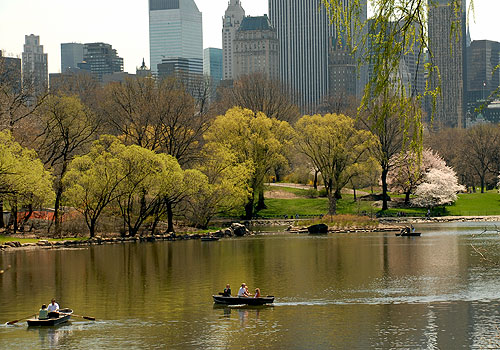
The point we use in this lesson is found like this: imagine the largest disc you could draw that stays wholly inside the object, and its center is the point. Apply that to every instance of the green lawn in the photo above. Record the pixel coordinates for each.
(468, 204)
(313, 207)
(487, 203)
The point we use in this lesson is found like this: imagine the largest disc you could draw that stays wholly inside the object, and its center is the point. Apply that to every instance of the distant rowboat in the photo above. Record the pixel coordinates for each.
(409, 234)
(54, 319)
(219, 299)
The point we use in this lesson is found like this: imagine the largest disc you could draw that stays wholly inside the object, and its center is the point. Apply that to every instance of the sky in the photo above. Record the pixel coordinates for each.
(124, 24)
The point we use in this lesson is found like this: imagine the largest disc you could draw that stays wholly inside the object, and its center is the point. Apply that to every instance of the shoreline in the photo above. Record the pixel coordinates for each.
(387, 224)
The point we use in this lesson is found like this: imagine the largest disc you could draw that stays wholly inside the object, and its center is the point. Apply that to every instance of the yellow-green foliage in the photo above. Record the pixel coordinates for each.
(23, 179)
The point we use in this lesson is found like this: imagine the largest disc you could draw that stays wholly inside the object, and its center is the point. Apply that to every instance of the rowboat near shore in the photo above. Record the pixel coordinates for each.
(55, 318)
(220, 299)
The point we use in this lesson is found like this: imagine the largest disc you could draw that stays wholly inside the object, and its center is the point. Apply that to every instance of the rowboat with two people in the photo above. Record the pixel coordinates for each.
(54, 318)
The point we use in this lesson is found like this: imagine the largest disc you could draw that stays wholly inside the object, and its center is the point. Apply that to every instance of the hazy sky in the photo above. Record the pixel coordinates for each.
(124, 24)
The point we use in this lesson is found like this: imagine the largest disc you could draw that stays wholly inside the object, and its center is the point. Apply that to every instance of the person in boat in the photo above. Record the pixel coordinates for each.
(53, 306)
(257, 293)
(243, 291)
(412, 229)
(43, 314)
(227, 291)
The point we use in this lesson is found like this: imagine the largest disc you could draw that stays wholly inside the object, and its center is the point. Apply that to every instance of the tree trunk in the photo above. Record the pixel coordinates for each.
(315, 185)
(332, 203)
(2, 223)
(384, 189)
(92, 227)
(249, 209)
(337, 194)
(482, 184)
(57, 205)
(354, 192)
(260, 203)
(170, 217)
(14, 216)
(407, 197)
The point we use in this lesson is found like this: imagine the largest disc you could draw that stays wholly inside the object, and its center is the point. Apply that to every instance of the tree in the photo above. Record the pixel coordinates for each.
(439, 187)
(23, 180)
(256, 141)
(160, 116)
(258, 93)
(68, 127)
(93, 180)
(222, 188)
(481, 144)
(410, 171)
(335, 147)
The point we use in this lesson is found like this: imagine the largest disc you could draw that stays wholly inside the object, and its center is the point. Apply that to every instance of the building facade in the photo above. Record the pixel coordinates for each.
(447, 52)
(10, 72)
(35, 65)
(212, 64)
(304, 31)
(483, 57)
(175, 31)
(256, 48)
(230, 24)
(342, 69)
(71, 55)
(100, 59)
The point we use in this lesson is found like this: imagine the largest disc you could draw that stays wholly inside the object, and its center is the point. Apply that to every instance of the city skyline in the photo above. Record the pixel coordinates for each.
(112, 25)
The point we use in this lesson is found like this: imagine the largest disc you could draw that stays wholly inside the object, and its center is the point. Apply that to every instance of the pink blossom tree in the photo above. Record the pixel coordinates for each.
(438, 187)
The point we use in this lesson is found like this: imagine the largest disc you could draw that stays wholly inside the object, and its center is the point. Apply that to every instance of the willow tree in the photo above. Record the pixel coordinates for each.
(397, 28)
(256, 141)
(336, 148)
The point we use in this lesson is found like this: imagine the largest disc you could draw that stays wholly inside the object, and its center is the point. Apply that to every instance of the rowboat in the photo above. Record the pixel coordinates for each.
(209, 239)
(219, 299)
(54, 319)
(409, 234)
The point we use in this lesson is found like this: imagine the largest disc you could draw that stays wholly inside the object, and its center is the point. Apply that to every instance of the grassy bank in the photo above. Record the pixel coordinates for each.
(17, 238)
(468, 204)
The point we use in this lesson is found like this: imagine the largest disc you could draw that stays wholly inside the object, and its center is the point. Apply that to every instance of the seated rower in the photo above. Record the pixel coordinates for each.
(257, 293)
(53, 308)
(243, 291)
(43, 314)
(227, 291)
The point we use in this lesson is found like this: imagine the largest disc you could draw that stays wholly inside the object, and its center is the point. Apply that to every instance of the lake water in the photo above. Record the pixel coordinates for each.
(345, 291)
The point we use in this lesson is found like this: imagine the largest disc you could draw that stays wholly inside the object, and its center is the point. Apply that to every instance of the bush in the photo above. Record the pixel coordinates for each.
(322, 193)
(312, 193)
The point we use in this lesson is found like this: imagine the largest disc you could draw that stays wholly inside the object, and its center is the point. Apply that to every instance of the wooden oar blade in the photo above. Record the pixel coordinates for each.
(12, 322)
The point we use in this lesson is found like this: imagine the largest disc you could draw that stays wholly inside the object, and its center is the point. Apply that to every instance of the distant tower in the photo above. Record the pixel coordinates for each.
(71, 55)
(212, 64)
(175, 33)
(101, 59)
(143, 71)
(35, 65)
(303, 29)
(255, 48)
(231, 22)
(447, 52)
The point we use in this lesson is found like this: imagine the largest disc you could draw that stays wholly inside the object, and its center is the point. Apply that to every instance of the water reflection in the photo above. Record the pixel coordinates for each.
(335, 291)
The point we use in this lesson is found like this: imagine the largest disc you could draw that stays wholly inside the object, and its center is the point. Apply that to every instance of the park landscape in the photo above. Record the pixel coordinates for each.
(108, 188)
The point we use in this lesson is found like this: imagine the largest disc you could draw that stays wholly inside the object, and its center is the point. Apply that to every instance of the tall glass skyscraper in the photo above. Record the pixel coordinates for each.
(175, 31)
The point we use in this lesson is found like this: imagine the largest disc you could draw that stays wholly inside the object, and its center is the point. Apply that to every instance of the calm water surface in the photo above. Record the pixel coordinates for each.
(349, 291)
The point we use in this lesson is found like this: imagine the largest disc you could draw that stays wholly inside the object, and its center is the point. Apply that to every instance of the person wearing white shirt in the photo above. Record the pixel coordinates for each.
(53, 306)
(242, 292)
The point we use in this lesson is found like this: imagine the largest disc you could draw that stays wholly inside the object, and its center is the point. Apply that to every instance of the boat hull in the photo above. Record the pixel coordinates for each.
(219, 299)
(411, 234)
(51, 321)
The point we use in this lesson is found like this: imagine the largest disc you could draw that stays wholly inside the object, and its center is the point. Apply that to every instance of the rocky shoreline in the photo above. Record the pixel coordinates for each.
(239, 230)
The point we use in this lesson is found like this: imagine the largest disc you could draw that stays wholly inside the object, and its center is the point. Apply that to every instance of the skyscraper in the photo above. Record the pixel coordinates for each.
(212, 64)
(10, 72)
(447, 52)
(303, 29)
(175, 32)
(100, 59)
(35, 65)
(255, 48)
(231, 22)
(71, 55)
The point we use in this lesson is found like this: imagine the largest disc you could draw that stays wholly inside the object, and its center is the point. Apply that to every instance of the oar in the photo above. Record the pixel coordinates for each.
(15, 321)
(85, 317)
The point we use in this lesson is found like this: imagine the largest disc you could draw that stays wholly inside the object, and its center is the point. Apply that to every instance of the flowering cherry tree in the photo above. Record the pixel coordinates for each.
(439, 187)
